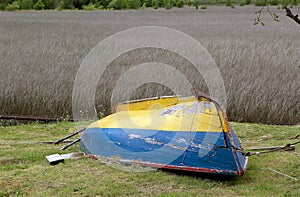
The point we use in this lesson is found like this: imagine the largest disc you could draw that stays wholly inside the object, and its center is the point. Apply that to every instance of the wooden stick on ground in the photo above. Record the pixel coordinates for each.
(283, 174)
(285, 148)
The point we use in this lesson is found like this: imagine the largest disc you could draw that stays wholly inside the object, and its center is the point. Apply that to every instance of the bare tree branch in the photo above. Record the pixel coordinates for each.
(273, 15)
(291, 15)
(258, 19)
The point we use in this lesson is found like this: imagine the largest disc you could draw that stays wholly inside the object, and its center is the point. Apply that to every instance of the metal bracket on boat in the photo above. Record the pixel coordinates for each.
(70, 144)
(67, 137)
(221, 112)
(287, 147)
(71, 135)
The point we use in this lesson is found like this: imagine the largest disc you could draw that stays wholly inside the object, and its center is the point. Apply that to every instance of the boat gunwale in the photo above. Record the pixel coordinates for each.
(175, 167)
(149, 99)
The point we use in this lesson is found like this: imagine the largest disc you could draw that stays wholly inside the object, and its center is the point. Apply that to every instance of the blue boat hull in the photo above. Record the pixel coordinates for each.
(199, 151)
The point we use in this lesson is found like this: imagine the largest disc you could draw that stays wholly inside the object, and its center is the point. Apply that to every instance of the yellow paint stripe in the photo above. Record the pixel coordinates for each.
(153, 103)
(158, 115)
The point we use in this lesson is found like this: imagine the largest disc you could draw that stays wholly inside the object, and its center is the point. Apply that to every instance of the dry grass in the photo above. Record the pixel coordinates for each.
(41, 52)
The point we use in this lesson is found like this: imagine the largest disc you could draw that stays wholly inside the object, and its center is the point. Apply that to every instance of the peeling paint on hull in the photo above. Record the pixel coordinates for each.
(203, 147)
(206, 152)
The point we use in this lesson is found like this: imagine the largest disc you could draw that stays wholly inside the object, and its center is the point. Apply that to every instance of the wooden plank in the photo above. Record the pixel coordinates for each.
(289, 148)
(283, 174)
(55, 159)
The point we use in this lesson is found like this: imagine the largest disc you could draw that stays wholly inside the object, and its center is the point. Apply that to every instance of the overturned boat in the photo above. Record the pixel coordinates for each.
(181, 133)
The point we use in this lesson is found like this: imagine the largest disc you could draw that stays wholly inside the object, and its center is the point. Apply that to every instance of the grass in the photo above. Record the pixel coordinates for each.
(25, 171)
(41, 52)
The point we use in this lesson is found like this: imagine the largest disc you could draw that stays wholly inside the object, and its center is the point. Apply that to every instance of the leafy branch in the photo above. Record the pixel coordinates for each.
(275, 17)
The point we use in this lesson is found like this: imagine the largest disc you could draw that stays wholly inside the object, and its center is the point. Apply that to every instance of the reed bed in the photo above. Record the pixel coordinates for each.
(42, 51)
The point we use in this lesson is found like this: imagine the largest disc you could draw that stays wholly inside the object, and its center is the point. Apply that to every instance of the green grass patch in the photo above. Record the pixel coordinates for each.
(25, 171)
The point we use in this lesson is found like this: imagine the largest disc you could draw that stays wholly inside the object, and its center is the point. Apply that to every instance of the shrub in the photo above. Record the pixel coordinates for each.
(260, 2)
(168, 4)
(118, 4)
(103, 3)
(247, 2)
(39, 5)
(290, 3)
(49, 4)
(285, 3)
(66, 4)
(196, 4)
(155, 4)
(295, 2)
(8, 2)
(274, 2)
(242, 3)
(13, 6)
(26, 4)
(208, 2)
(79, 3)
(190, 2)
(228, 3)
(90, 6)
(3, 6)
(179, 3)
(133, 4)
(161, 3)
(232, 6)
(148, 3)
(98, 5)
(203, 7)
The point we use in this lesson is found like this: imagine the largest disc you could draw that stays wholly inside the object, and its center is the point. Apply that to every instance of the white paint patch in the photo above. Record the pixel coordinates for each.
(132, 136)
(172, 110)
(176, 147)
(197, 108)
(152, 141)
(199, 146)
(181, 140)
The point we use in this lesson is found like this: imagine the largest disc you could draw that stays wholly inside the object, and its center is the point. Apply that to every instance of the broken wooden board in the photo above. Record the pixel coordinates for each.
(57, 158)
(284, 148)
